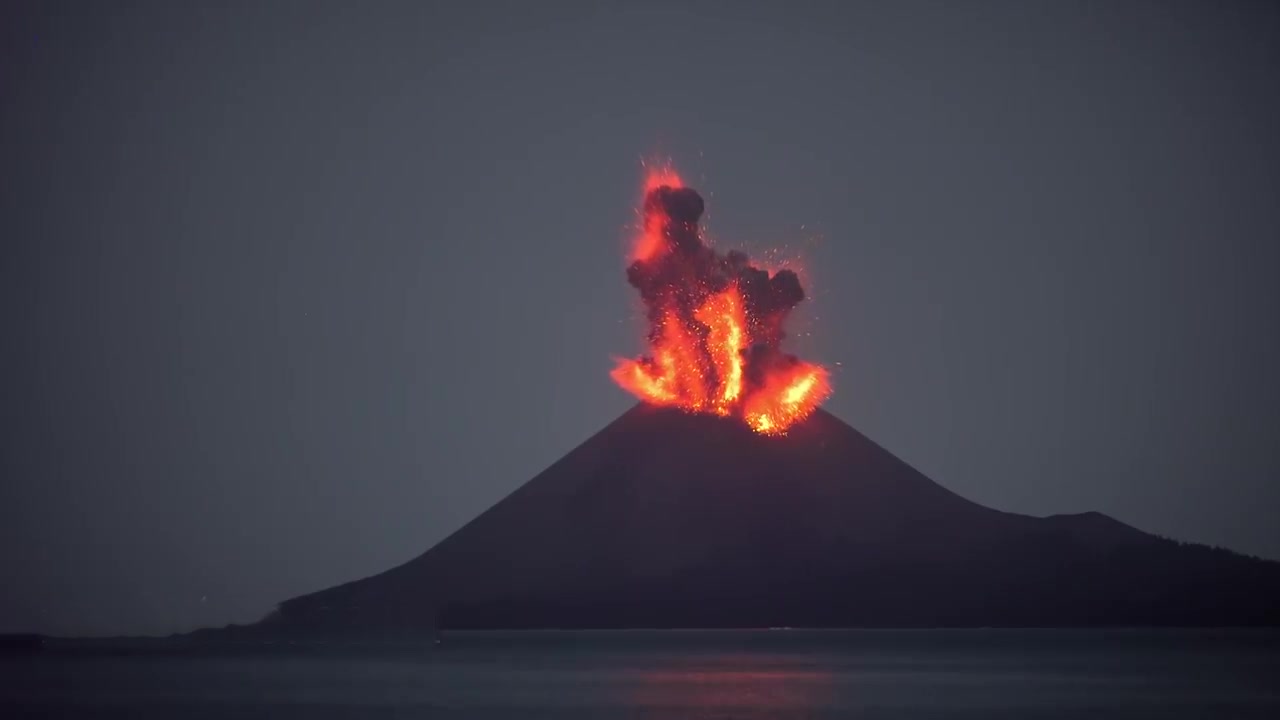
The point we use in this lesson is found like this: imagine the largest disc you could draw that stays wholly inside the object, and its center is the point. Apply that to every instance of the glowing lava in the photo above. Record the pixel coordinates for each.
(715, 322)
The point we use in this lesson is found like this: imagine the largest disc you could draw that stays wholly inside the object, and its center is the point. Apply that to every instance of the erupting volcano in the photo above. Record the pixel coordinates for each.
(728, 499)
(715, 322)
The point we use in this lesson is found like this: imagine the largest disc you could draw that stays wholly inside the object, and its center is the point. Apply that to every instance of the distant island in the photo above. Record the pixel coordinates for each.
(671, 520)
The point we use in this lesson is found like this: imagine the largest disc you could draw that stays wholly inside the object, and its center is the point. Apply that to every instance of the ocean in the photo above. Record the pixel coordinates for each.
(741, 674)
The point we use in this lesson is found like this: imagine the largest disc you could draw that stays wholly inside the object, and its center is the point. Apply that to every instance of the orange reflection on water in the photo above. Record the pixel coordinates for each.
(736, 682)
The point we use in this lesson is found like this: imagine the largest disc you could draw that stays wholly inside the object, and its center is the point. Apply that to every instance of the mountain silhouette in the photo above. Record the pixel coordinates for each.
(667, 519)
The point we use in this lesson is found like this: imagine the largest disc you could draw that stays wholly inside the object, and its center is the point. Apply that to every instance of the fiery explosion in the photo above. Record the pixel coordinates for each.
(715, 322)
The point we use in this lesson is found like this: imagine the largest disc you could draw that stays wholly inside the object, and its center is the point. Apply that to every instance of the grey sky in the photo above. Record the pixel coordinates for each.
(293, 290)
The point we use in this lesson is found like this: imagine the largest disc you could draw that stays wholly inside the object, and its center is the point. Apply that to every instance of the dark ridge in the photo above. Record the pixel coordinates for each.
(670, 520)
(21, 643)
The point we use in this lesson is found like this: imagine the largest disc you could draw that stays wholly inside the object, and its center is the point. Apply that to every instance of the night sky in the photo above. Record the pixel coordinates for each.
(291, 291)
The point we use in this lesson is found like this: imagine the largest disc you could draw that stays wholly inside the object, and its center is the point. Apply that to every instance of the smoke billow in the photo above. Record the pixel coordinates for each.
(679, 278)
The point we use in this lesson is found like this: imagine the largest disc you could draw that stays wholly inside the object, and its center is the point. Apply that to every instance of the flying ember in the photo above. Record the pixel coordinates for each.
(715, 322)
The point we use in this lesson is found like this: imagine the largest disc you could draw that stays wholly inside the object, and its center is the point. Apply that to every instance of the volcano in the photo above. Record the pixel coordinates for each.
(671, 519)
(728, 498)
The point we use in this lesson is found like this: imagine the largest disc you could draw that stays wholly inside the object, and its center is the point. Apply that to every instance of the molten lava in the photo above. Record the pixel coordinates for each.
(715, 322)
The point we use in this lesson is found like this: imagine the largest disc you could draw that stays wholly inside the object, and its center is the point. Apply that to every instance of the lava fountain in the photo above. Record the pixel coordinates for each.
(715, 322)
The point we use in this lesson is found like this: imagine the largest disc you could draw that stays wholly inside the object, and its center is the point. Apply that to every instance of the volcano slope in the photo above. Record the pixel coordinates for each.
(671, 520)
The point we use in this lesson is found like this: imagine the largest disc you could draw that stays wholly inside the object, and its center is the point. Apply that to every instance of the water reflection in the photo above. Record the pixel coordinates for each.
(736, 682)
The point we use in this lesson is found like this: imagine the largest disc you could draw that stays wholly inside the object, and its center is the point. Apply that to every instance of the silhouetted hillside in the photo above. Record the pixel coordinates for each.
(665, 519)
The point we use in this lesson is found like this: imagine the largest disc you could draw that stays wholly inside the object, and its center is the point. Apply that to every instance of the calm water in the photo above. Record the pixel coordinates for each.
(693, 674)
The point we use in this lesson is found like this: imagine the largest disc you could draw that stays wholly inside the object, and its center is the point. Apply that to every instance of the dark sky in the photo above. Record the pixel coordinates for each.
(293, 290)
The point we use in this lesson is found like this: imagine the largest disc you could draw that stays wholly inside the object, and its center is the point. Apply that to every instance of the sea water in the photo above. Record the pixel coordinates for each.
(665, 674)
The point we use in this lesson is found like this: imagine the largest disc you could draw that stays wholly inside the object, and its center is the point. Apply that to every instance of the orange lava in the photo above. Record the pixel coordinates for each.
(786, 398)
(650, 242)
(699, 361)
(726, 338)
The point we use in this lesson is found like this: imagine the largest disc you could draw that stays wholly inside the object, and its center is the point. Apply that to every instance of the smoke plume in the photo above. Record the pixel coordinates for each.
(676, 280)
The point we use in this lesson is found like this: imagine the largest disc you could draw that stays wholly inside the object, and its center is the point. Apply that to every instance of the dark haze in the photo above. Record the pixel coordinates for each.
(682, 279)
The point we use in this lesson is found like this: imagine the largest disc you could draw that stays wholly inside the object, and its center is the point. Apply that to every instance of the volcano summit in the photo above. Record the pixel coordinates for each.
(673, 519)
